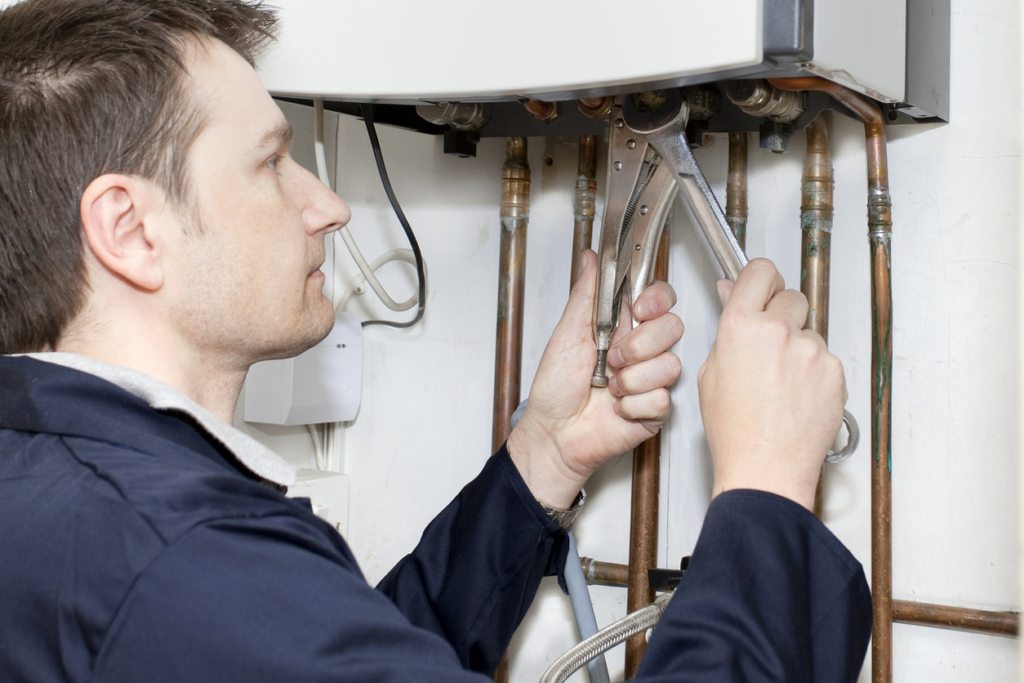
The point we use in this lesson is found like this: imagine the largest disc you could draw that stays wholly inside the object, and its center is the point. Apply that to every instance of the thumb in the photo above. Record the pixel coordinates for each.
(579, 311)
(724, 290)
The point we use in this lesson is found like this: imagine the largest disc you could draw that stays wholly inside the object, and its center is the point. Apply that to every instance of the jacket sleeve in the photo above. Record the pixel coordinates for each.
(263, 600)
(478, 565)
(274, 598)
(770, 595)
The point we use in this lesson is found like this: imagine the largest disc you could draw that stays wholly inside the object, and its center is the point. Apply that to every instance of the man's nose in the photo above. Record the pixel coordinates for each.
(323, 210)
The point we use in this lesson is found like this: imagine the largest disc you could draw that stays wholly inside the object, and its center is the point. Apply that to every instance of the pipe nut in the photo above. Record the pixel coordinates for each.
(760, 98)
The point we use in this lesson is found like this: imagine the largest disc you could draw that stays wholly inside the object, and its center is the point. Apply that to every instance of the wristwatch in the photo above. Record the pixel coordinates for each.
(565, 517)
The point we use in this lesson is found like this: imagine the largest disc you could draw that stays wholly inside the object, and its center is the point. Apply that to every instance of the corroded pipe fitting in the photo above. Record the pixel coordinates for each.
(585, 199)
(703, 102)
(542, 111)
(515, 181)
(606, 573)
(879, 215)
(596, 107)
(760, 98)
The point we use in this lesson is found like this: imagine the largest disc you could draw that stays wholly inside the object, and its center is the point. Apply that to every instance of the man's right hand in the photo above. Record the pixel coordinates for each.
(771, 394)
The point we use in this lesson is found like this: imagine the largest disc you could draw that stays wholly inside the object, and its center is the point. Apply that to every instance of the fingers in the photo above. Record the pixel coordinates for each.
(790, 306)
(724, 290)
(653, 406)
(662, 371)
(648, 340)
(586, 283)
(579, 310)
(759, 288)
(755, 287)
(658, 299)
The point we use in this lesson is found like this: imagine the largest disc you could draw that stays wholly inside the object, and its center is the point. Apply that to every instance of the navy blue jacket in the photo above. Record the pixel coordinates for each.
(133, 548)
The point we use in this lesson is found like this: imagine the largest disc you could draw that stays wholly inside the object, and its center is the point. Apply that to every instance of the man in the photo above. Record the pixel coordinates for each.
(156, 239)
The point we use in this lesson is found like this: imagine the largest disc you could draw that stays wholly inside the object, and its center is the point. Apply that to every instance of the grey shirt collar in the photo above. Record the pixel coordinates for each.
(253, 455)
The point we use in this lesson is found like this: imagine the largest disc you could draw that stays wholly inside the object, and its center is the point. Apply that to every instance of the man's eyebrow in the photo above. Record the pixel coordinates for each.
(278, 135)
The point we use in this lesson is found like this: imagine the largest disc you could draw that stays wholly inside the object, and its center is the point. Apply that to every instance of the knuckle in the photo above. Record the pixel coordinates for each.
(731, 322)
(796, 295)
(676, 326)
(661, 402)
(622, 383)
(777, 331)
(835, 368)
(675, 366)
(763, 269)
(813, 351)
(665, 294)
(761, 266)
(632, 347)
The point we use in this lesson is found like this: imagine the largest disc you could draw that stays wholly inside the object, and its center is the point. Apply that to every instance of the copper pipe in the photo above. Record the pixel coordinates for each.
(816, 228)
(508, 347)
(736, 210)
(605, 573)
(584, 203)
(1002, 623)
(816, 223)
(643, 530)
(542, 111)
(880, 236)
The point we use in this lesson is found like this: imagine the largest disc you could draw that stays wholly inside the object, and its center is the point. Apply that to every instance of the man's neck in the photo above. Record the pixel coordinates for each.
(212, 384)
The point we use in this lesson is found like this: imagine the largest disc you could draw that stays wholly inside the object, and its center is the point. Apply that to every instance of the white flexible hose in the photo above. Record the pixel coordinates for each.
(350, 242)
(403, 255)
(371, 278)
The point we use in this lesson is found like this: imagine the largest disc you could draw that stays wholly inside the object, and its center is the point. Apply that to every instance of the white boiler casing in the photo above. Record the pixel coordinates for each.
(466, 50)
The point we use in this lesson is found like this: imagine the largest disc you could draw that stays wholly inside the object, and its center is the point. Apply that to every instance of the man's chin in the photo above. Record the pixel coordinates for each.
(324, 329)
(315, 332)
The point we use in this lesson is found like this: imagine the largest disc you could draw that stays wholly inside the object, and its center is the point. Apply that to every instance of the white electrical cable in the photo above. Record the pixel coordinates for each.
(328, 446)
(318, 447)
(334, 458)
(365, 268)
(318, 143)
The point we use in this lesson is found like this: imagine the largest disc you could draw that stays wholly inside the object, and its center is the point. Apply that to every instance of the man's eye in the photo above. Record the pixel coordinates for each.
(273, 162)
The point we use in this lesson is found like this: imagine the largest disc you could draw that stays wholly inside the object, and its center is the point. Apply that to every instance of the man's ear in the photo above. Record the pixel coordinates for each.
(120, 218)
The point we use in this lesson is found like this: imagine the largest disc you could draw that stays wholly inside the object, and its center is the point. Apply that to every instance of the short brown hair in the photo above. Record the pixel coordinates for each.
(89, 87)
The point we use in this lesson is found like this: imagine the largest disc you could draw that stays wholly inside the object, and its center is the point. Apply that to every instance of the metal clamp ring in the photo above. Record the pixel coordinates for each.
(853, 437)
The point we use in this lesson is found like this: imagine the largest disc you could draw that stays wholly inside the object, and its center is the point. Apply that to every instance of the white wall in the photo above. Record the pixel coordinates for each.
(424, 428)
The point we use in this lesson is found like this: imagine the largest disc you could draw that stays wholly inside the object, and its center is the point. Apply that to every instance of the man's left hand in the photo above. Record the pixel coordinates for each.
(569, 429)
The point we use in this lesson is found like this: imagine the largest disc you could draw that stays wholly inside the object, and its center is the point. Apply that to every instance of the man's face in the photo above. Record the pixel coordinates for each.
(247, 280)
